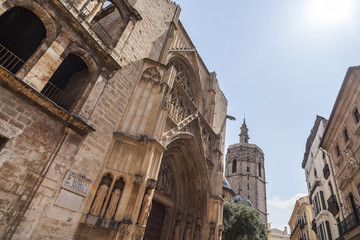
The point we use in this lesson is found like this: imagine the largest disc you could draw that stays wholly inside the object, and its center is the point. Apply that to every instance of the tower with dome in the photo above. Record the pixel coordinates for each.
(245, 171)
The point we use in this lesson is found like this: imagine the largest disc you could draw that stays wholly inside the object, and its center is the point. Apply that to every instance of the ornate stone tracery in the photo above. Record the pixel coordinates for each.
(151, 74)
(165, 182)
(182, 78)
(178, 106)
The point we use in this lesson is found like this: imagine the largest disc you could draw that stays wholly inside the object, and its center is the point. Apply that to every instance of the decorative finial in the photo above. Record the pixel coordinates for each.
(244, 136)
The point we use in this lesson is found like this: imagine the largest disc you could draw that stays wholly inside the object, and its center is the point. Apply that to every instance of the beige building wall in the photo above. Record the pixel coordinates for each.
(276, 234)
(300, 220)
(322, 188)
(144, 130)
(342, 143)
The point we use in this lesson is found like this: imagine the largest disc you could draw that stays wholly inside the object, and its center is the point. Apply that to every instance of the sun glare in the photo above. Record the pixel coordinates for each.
(330, 12)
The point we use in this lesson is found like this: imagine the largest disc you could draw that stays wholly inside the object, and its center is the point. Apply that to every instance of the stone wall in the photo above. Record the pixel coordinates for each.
(48, 147)
(246, 180)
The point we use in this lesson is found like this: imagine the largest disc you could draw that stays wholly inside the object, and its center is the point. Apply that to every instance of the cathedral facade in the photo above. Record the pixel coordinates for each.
(111, 125)
(245, 171)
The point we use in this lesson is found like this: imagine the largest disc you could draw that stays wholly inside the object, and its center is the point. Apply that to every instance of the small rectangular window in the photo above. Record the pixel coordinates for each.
(3, 141)
(248, 169)
(338, 150)
(356, 116)
(346, 135)
(259, 166)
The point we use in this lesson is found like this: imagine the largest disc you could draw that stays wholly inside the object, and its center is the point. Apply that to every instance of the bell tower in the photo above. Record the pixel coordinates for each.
(245, 171)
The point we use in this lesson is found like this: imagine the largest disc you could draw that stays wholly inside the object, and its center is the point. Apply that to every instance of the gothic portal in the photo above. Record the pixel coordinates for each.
(245, 171)
(111, 125)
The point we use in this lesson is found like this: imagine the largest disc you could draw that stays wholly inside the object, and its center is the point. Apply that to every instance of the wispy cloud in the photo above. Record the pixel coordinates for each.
(280, 210)
(276, 202)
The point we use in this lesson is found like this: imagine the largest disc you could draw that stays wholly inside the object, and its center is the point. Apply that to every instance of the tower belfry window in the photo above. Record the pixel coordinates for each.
(259, 167)
(3, 141)
(234, 166)
(356, 116)
(346, 135)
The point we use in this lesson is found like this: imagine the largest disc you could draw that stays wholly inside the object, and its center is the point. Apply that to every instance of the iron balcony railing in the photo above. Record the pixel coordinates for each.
(9, 60)
(57, 96)
(326, 171)
(101, 32)
(350, 222)
(333, 206)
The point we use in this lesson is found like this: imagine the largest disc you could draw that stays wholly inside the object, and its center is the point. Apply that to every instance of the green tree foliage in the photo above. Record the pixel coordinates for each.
(242, 222)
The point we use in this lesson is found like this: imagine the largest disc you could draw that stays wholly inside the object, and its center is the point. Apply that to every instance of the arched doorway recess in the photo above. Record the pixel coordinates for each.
(182, 191)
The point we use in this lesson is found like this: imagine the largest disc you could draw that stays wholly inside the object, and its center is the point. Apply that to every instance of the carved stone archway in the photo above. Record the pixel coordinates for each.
(182, 188)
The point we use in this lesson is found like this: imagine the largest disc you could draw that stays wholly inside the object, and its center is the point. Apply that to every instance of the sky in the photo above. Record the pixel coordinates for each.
(280, 63)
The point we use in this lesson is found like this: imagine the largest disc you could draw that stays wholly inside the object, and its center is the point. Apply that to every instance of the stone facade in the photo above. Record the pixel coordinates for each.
(245, 171)
(342, 145)
(322, 188)
(108, 116)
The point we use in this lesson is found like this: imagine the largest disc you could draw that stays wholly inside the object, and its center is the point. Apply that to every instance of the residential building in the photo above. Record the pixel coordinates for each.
(341, 141)
(322, 188)
(300, 221)
(245, 171)
(276, 234)
(111, 125)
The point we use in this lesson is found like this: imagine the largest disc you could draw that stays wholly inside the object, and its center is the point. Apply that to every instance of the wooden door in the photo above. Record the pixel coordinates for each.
(155, 222)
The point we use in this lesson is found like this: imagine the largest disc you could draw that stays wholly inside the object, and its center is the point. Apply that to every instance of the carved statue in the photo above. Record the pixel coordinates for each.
(176, 235)
(113, 204)
(165, 183)
(212, 231)
(146, 208)
(187, 233)
(123, 231)
(99, 200)
(197, 235)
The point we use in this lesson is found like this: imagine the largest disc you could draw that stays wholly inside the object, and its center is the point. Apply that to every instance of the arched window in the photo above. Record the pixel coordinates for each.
(67, 82)
(21, 33)
(107, 19)
(182, 79)
(234, 166)
(259, 167)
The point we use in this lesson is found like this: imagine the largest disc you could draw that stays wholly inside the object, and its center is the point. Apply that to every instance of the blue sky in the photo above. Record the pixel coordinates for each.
(281, 63)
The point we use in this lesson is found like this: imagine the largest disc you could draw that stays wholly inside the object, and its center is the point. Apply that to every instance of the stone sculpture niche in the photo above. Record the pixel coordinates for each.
(107, 200)
(101, 195)
(115, 199)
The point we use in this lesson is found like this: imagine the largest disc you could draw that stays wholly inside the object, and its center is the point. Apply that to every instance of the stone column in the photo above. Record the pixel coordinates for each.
(78, 4)
(4, 6)
(45, 67)
(95, 10)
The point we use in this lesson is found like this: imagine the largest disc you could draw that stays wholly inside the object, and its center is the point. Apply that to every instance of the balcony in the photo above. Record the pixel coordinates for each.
(313, 226)
(326, 171)
(350, 222)
(9, 60)
(333, 206)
